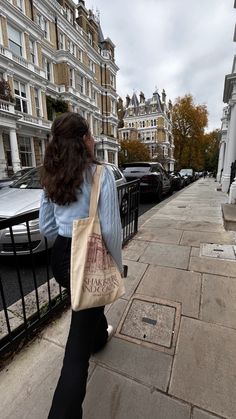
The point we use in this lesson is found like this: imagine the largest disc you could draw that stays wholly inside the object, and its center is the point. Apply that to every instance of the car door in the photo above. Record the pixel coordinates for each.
(166, 181)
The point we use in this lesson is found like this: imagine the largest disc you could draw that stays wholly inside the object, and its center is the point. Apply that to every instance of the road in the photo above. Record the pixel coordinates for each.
(9, 275)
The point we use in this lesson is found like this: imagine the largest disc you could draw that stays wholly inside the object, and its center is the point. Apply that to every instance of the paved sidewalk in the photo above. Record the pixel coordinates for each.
(173, 355)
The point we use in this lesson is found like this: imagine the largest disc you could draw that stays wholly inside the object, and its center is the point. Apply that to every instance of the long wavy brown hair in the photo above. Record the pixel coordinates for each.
(66, 158)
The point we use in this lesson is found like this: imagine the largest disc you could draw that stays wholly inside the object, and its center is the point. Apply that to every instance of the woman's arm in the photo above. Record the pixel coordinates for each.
(109, 216)
(47, 222)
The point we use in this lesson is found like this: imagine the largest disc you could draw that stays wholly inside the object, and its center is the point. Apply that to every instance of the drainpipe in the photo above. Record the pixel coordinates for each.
(57, 36)
(106, 95)
(32, 9)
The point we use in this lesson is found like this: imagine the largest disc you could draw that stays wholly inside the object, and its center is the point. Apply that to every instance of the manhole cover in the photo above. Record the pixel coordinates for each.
(219, 251)
(151, 322)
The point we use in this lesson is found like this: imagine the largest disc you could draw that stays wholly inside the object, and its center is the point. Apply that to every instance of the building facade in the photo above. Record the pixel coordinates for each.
(53, 58)
(227, 153)
(150, 121)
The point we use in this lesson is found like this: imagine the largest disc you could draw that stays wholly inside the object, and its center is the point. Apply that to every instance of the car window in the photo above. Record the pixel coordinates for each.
(155, 169)
(30, 180)
(116, 172)
(136, 169)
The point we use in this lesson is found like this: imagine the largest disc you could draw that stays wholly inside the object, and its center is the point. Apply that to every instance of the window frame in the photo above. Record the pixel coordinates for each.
(19, 97)
(14, 43)
(26, 156)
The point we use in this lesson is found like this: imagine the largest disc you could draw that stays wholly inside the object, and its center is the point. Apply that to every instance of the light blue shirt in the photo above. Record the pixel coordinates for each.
(57, 219)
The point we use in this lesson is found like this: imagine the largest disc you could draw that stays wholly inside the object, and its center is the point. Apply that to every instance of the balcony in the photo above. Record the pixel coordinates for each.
(21, 61)
(7, 107)
(33, 120)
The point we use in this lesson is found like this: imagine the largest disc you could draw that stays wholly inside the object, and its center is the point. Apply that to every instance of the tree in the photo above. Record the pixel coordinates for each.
(133, 150)
(189, 122)
(211, 151)
(5, 91)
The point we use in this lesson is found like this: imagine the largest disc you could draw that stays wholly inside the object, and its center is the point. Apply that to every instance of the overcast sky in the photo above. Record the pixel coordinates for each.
(183, 46)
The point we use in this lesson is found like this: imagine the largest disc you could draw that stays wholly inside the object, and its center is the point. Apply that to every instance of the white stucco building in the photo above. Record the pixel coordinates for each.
(227, 153)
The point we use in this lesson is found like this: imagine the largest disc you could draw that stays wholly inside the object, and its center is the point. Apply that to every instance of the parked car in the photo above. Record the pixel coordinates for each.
(9, 180)
(24, 196)
(178, 181)
(154, 180)
(189, 173)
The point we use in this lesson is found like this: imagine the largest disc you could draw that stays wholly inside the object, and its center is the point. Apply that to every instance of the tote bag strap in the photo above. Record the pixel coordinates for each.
(95, 191)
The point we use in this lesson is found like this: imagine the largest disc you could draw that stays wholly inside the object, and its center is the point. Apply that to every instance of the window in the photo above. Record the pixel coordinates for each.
(43, 23)
(71, 81)
(87, 88)
(79, 83)
(25, 151)
(69, 14)
(71, 47)
(80, 55)
(92, 66)
(143, 124)
(61, 40)
(15, 40)
(32, 51)
(19, 5)
(37, 106)
(112, 80)
(47, 68)
(7, 148)
(90, 38)
(20, 97)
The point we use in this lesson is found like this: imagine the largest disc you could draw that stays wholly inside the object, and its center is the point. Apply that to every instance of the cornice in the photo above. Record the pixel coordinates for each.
(230, 81)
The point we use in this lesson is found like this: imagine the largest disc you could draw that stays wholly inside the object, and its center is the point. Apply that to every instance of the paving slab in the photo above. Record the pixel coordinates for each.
(57, 331)
(194, 238)
(166, 255)
(204, 368)
(161, 235)
(31, 380)
(200, 414)
(219, 300)
(212, 266)
(115, 312)
(134, 249)
(136, 271)
(173, 284)
(113, 396)
(187, 225)
(143, 364)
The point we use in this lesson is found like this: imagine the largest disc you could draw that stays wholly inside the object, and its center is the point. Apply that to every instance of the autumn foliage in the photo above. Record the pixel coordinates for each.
(189, 123)
(133, 150)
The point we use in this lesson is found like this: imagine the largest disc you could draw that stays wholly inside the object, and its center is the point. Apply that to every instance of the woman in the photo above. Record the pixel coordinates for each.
(67, 177)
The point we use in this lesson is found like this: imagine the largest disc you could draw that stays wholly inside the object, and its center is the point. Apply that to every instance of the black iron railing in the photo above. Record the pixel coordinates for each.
(29, 295)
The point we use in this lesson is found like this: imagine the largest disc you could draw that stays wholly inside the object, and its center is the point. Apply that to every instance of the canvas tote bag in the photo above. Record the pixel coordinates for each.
(95, 278)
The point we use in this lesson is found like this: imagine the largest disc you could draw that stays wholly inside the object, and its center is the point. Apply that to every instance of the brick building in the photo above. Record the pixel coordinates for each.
(53, 58)
(150, 121)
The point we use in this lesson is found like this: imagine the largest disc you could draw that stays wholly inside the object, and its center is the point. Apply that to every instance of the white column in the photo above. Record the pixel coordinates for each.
(14, 151)
(116, 158)
(221, 161)
(3, 163)
(105, 155)
(231, 145)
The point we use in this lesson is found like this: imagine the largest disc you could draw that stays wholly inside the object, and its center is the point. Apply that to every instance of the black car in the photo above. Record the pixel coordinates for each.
(154, 180)
(189, 173)
(178, 181)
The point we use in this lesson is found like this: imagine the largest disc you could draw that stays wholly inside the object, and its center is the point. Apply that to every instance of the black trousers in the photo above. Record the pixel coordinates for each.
(88, 334)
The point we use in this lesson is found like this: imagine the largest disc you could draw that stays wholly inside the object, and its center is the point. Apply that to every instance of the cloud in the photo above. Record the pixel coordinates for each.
(184, 46)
